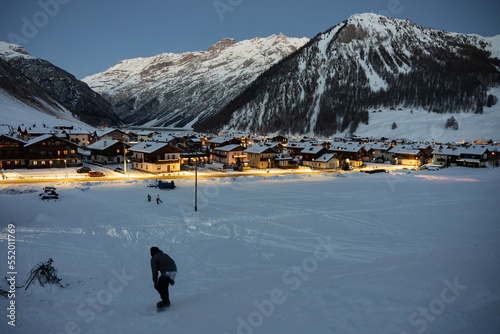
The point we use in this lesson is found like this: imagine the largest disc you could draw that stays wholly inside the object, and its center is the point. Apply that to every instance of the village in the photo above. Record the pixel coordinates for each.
(163, 153)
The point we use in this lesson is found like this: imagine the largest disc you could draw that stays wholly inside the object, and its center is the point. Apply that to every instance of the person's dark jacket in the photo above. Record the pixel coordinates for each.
(163, 263)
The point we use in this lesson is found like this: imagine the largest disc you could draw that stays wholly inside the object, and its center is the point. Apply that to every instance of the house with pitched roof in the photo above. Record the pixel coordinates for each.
(49, 151)
(12, 153)
(445, 156)
(474, 156)
(350, 152)
(326, 161)
(81, 137)
(232, 155)
(156, 157)
(114, 134)
(310, 153)
(107, 151)
(378, 151)
(222, 141)
(262, 155)
(408, 156)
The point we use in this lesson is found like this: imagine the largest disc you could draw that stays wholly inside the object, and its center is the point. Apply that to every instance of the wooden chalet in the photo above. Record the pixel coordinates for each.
(49, 151)
(12, 153)
(222, 141)
(311, 153)
(352, 153)
(408, 156)
(156, 157)
(81, 137)
(107, 151)
(114, 134)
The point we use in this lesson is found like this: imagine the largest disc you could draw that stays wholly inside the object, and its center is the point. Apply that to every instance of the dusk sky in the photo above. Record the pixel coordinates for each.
(87, 37)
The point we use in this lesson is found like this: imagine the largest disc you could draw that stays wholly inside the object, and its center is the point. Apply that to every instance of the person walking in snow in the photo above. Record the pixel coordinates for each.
(161, 262)
(158, 200)
(149, 198)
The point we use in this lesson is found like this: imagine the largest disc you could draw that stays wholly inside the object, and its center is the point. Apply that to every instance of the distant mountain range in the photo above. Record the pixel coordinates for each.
(179, 90)
(367, 63)
(336, 83)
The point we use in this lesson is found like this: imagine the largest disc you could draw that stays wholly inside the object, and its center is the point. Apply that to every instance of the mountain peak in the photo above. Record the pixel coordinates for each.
(8, 50)
(222, 44)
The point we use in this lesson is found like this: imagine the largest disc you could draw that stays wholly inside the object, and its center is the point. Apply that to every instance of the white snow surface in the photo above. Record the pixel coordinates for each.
(15, 112)
(398, 252)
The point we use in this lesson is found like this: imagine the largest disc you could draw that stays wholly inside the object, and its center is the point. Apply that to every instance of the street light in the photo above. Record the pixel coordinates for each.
(124, 159)
(196, 185)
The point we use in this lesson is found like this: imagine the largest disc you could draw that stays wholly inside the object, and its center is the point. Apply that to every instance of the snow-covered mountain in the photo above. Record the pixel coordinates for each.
(36, 86)
(178, 90)
(367, 64)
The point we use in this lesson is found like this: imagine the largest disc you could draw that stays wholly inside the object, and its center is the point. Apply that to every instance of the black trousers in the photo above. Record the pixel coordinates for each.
(162, 287)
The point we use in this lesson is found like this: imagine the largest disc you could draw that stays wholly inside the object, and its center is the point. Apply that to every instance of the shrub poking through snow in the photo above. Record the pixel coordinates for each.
(45, 273)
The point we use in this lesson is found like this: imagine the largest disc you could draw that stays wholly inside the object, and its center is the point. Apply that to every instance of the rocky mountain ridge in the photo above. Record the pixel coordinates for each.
(179, 90)
(50, 89)
(367, 63)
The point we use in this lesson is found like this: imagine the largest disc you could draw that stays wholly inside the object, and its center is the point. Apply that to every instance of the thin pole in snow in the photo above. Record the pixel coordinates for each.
(196, 186)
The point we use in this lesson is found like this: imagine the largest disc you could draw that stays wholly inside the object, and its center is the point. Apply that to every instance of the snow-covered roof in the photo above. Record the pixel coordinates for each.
(12, 138)
(104, 132)
(283, 156)
(145, 133)
(227, 148)
(476, 149)
(148, 147)
(259, 148)
(378, 146)
(220, 139)
(5, 129)
(312, 149)
(347, 147)
(38, 139)
(102, 144)
(325, 157)
(403, 150)
(447, 151)
(297, 144)
(162, 137)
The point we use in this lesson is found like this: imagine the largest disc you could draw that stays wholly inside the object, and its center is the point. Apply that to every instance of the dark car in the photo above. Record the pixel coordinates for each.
(83, 170)
(96, 174)
(118, 170)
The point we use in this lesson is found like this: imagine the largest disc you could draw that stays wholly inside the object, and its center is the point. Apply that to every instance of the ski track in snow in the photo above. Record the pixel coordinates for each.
(386, 244)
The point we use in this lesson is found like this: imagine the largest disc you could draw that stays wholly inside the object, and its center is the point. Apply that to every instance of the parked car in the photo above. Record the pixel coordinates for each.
(118, 170)
(49, 193)
(96, 174)
(83, 170)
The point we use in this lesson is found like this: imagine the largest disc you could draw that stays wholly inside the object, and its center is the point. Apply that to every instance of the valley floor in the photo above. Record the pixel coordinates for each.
(398, 252)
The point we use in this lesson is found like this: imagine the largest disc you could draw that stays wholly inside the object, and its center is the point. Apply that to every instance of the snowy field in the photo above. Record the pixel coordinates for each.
(398, 252)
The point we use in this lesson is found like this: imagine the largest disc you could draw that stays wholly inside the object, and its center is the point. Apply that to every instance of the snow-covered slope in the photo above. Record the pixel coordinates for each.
(50, 89)
(358, 253)
(369, 62)
(177, 90)
(15, 112)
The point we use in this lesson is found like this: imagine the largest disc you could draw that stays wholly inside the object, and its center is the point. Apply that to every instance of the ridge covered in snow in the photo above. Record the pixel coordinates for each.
(367, 63)
(177, 90)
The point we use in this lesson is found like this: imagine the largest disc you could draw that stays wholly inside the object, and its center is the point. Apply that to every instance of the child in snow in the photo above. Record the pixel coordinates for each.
(158, 200)
(149, 198)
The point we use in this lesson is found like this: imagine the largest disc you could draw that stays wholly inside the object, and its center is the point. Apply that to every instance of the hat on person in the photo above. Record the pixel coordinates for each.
(154, 250)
